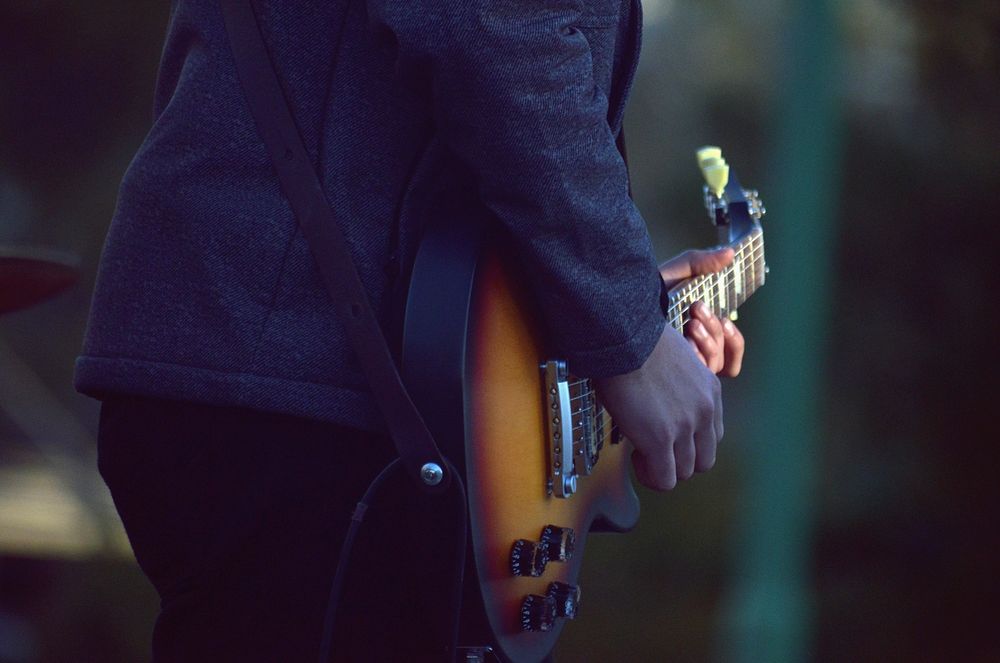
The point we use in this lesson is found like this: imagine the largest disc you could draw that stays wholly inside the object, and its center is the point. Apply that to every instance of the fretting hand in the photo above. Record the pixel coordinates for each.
(717, 342)
(671, 407)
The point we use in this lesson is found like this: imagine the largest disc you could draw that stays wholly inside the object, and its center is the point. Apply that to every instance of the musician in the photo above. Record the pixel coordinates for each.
(237, 431)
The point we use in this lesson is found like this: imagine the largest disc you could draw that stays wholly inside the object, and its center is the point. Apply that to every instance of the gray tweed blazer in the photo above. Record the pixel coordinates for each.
(207, 291)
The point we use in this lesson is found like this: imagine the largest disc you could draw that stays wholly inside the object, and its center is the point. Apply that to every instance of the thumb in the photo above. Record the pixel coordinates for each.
(710, 261)
(695, 262)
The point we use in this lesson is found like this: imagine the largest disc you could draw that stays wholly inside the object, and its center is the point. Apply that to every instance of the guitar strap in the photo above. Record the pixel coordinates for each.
(417, 450)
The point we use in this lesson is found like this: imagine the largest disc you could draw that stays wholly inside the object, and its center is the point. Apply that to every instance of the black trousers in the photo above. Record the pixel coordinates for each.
(237, 518)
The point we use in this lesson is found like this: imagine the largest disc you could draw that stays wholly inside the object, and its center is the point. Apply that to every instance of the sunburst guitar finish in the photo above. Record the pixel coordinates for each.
(541, 462)
(508, 465)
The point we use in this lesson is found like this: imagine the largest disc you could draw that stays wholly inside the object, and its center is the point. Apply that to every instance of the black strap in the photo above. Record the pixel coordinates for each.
(302, 187)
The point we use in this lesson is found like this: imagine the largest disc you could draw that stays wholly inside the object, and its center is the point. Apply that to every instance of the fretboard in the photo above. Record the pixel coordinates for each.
(724, 291)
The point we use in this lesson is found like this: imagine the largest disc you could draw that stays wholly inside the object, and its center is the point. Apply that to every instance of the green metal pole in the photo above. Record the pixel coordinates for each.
(770, 612)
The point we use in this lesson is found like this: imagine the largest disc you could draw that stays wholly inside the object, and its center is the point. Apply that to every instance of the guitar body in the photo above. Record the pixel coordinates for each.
(541, 460)
(472, 352)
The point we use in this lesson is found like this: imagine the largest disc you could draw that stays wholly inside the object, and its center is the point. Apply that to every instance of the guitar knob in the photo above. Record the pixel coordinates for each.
(566, 598)
(528, 558)
(538, 613)
(560, 542)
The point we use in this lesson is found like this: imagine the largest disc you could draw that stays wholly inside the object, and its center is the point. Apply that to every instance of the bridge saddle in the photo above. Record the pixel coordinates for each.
(572, 436)
(562, 478)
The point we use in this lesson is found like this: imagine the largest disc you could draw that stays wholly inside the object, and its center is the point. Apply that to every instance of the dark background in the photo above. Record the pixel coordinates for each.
(853, 511)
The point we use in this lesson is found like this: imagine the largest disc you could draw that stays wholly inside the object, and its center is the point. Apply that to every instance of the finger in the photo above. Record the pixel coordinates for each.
(714, 328)
(717, 396)
(705, 452)
(709, 348)
(734, 347)
(694, 262)
(685, 457)
(656, 471)
(709, 431)
(677, 268)
(709, 261)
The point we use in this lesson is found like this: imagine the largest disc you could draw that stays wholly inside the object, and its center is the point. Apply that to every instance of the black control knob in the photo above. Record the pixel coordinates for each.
(566, 598)
(538, 613)
(560, 542)
(528, 558)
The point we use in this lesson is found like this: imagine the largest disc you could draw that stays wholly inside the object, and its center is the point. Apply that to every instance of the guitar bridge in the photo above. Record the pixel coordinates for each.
(562, 478)
(574, 436)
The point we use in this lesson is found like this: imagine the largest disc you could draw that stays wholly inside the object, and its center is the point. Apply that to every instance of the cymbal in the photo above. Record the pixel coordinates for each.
(32, 275)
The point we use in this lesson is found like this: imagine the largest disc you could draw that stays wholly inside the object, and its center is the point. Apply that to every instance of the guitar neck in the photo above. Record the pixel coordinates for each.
(726, 290)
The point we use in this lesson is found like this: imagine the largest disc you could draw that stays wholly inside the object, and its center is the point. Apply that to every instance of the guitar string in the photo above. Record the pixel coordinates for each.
(715, 287)
(699, 282)
(754, 242)
(710, 287)
(674, 320)
(585, 383)
(747, 263)
(677, 317)
(712, 292)
(602, 435)
(707, 286)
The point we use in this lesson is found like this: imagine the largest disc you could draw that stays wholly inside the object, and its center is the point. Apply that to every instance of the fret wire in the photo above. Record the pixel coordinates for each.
(709, 288)
(752, 243)
(679, 303)
(688, 290)
(701, 288)
(682, 316)
(756, 254)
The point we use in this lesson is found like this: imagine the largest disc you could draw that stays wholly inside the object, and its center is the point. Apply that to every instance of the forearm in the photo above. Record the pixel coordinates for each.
(515, 99)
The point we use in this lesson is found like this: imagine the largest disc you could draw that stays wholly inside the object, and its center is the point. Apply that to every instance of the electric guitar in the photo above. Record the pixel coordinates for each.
(543, 462)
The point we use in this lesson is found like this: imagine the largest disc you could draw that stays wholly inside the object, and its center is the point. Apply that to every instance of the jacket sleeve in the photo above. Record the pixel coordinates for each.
(515, 98)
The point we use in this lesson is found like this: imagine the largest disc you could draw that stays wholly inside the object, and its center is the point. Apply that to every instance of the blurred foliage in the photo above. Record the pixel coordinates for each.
(902, 563)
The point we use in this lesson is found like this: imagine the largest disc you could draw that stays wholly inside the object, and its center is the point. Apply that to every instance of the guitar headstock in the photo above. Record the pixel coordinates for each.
(735, 211)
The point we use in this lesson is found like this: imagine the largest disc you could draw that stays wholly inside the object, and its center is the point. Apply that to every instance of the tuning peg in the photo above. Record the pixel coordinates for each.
(716, 173)
(714, 168)
(708, 152)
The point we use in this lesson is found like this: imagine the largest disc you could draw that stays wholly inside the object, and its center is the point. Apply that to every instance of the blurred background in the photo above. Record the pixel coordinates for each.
(853, 511)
